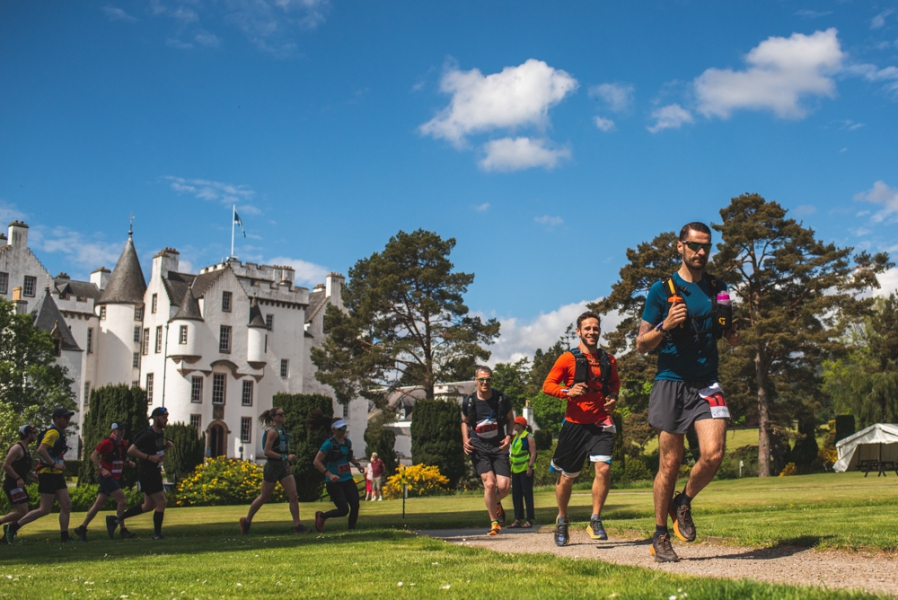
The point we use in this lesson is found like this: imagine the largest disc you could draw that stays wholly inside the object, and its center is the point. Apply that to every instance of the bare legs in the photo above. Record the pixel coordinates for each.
(289, 485)
(495, 488)
(600, 487)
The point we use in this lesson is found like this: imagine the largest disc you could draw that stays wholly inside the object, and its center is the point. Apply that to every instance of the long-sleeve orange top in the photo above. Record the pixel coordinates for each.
(590, 407)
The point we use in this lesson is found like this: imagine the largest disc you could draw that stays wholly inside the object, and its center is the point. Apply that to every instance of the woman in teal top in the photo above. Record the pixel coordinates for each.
(333, 459)
(276, 444)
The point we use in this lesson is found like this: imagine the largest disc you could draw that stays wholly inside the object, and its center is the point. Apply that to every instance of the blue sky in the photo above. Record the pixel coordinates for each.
(547, 138)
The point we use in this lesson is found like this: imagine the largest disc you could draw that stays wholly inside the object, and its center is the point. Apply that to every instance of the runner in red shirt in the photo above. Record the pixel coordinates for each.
(110, 456)
(587, 430)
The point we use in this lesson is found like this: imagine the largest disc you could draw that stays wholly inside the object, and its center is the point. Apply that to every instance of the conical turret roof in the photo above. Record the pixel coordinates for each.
(48, 319)
(189, 309)
(126, 284)
(255, 315)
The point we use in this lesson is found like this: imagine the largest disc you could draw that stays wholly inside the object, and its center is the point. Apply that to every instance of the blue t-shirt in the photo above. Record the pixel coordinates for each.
(690, 356)
(339, 467)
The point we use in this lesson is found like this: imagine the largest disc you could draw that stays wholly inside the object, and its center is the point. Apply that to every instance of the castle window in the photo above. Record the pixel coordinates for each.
(149, 388)
(158, 339)
(226, 301)
(246, 430)
(155, 302)
(219, 380)
(196, 421)
(247, 393)
(138, 313)
(30, 285)
(90, 340)
(137, 334)
(146, 341)
(224, 339)
(269, 321)
(102, 312)
(182, 335)
(4, 283)
(196, 390)
(86, 393)
(135, 360)
(285, 368)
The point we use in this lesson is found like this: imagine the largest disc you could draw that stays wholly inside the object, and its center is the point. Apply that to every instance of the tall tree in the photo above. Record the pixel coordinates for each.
(792, 289)
(511, 380)
(187, 453)
(112, 404)
(303, 442)
(31, 381)
(406, 322)
(865, 382)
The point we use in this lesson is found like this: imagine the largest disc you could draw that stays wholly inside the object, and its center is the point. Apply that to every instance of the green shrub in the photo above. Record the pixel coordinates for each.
(471, 480)
(72, 468)
(381, 439)
(636, 470)
(108, 404)
(223, 481)
(436, 438)
(541, 473)
(186, 454)
(617, 472)
(304, 443)
(548, 412)
(543, 439)
(729, 468)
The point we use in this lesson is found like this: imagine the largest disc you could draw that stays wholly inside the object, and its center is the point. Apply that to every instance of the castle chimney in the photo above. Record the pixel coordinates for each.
(18, 234)
(100, 278)
(165, 260)
(333, 286)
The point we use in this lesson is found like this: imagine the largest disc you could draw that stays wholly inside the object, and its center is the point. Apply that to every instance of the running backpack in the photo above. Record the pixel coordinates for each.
(671, 290)
(582, 371)
(469, 409)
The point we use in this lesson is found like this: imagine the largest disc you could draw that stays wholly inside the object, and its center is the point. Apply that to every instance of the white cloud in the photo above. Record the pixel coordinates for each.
(226, 193)
(10, 212)
(780, 73)
(617, 96)
(548, 220)
(672, 116)
(515, 97)
(879, 21)
(482, 207)
(849, 125)
(604, 124)
(805, 210)
(514, 154)
(889, 75)
(114, 13)
(210, 40)
(882, 194)
(888, 282)
(812, 14)
(173, 43)
(306, 272)
(79, 251)
(519, 339)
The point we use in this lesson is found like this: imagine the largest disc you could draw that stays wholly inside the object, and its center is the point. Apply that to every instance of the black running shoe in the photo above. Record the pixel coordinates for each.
(111, 524)
(81, 532)
(500, 514)
(126, 534)
(595, 530)
(158, 536)
(244, 526)
(9, 535)
(662, 549)
(561, 534)
(301, 529)
(681, 513)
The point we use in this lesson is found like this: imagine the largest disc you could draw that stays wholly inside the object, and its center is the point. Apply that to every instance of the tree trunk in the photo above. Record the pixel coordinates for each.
(763, 415)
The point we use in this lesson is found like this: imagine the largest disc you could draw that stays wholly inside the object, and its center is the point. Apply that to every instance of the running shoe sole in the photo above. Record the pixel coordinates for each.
(672, 557)
(673, 511)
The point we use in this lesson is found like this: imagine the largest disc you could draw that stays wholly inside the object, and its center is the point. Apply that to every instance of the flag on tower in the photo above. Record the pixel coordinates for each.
(239, 222)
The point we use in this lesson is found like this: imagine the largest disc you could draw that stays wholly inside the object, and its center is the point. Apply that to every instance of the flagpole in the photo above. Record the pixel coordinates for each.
(233, 218)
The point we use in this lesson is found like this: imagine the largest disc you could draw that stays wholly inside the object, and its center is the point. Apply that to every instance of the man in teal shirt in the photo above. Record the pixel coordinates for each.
(678, 321)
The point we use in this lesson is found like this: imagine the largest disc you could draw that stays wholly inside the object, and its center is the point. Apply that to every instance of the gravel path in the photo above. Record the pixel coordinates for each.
(873, 572)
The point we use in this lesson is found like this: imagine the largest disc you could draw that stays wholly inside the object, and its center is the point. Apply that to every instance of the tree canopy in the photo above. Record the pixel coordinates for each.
(405, 324)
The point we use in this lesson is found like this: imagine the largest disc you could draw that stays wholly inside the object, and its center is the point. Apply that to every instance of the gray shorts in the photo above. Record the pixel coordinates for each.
(675, 405)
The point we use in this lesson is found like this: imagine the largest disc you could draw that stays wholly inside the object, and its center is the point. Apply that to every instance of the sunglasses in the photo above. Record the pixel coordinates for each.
(343, 428)
(694, 246)
(280, 414)
(483, 379)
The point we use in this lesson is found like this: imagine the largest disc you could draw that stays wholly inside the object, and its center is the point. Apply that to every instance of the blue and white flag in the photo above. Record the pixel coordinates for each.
(239, 222)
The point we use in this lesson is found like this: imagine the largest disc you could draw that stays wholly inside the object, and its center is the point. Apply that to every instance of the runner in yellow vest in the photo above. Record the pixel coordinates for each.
(523, 457)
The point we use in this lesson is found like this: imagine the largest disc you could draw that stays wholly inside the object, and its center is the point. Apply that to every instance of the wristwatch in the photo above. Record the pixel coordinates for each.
(664, 332)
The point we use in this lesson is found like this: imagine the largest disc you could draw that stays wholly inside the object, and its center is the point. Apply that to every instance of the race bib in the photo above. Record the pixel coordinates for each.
(607, 425)
(17, 495)
(713, 394)
(343, 469)
(160, 453)
(487, 429)
(117, 466)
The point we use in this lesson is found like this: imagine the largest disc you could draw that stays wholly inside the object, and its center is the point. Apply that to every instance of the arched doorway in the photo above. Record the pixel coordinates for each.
(218, 440)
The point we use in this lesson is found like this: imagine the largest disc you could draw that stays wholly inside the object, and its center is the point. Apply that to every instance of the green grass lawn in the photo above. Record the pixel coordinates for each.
(204, 556)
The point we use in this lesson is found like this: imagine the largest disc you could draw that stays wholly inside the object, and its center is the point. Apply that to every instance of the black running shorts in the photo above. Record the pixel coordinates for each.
(50, 483)
(576, 442)
(150, 481)
(675, 405)
(275, 470)
(488, 458)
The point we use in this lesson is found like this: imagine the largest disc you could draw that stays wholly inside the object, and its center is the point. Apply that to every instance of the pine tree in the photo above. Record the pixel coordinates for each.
(304, 443)
(112, 404)
(436, 437)
(186, 454)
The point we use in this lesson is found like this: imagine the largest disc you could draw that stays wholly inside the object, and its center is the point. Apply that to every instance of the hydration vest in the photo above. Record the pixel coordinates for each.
(283, 445)
(58, 449)
(520, 452)
(469, 409)
(336, 453)
(583, 372)
(116, 458)
(21, 466)
(671, 290)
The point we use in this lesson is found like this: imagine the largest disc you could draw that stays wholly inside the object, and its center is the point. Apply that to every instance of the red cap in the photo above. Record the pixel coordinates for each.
(522, 421)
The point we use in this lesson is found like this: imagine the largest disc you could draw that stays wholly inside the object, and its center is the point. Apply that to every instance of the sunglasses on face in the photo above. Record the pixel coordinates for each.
(694, 246)
(483, 379)
(342, 428)
(280, 414)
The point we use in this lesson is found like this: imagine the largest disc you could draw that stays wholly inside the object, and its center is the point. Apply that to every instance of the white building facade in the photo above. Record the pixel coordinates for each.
(214, 348)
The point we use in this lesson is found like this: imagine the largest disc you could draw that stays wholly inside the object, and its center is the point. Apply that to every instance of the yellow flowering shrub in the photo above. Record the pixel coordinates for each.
(789, 469)
(828, 455)
(221, 481)
(422, 481)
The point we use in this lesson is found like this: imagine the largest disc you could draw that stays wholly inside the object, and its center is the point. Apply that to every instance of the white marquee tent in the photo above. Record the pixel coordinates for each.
(877, 442)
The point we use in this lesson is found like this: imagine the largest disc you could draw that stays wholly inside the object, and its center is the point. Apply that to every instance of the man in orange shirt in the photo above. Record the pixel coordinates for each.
(587, 430)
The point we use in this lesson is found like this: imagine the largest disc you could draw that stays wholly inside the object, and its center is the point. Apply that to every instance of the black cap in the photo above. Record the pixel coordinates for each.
(25, 430)
(62, 412)
(159, 411)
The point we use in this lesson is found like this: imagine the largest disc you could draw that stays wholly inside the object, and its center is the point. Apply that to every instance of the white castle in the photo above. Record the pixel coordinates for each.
(213, 348)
